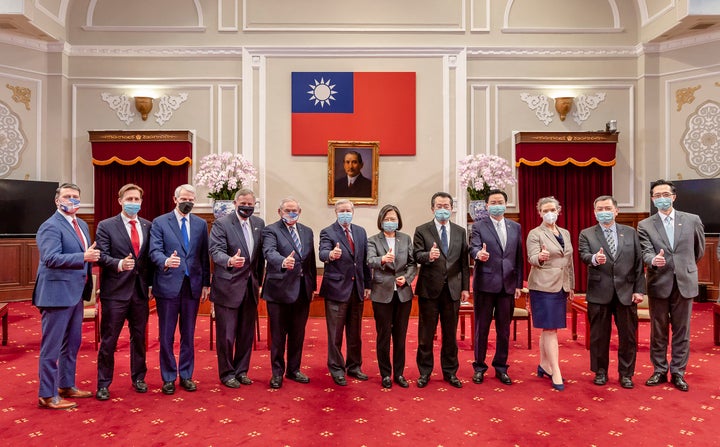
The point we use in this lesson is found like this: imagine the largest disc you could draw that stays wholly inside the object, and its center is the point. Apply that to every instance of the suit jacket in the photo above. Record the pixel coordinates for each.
(506, 265)
(453, 268)
(230, 284)
(114, 244)
(623, 274)
(350, 270)
(383, 275)
(165, 238)
(282, 285)
(557, 272)
(63, 275)
(680, 261)
(362, 187)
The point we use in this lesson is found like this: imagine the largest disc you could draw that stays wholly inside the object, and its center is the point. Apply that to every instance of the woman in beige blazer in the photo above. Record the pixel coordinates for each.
(551, 283)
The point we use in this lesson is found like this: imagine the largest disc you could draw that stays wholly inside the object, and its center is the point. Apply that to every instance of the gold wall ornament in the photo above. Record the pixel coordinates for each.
(717, 84)
(685, 96)
(21, 94)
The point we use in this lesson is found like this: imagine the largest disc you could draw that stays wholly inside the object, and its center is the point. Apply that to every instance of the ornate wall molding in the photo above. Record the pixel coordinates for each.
(12, 139)
(21, 94)
(167, 105)
(584, 104)
(701, 140)
(121, 105)
(685, 96)
(540, 104)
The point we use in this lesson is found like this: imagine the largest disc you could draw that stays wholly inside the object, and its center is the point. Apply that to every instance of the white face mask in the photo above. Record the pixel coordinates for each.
(550, 218)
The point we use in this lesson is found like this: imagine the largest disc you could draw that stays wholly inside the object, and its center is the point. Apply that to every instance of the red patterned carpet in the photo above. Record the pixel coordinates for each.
(528, 413)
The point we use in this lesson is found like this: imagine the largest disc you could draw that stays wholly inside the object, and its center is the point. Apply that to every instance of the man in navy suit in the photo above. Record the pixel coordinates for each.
(64, 280)
(123, 241)
(179, 252)
(496, 246)
(345, 284)
(290, 280)
(236, 250)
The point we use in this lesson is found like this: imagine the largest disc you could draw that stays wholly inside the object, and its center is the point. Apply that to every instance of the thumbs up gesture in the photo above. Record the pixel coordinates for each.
(336, 252)
(600, 257)
(92, 254)
(434, 252)
(128, 263)
(544, 254)
(173, 261)
(289, 262)
(659, 259)
(483, 254)
(389, 257)
(237, 260)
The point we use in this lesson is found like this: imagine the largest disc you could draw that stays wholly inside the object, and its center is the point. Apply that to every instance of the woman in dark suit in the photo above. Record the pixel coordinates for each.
(390, 256)
(551, 283)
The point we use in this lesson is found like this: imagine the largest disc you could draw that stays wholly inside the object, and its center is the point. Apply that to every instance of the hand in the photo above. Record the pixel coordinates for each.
(400, 281)
(518, 293)
(289, 262)
(483, 254)
(600, 257)
(571, 295)
(173, 261)
(464, 296)
(92, 254)
(128, 263)
(434, 252)
(237, 260)
(544, 254)
(366, 294)
(336, 252)
(637, 298)
(205, 294)
(659, 259)
(389, 257)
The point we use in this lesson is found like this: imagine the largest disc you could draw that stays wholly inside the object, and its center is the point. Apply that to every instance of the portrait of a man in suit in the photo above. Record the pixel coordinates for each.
(352, 182)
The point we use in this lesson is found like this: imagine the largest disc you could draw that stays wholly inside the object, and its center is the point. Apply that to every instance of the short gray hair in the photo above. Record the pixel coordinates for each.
(343, 202)
(549, 199)
(244, 192)
(287, 199)
(186, 187)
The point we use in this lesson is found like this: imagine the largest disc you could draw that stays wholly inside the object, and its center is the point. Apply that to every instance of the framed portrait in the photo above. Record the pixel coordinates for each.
(353, 171)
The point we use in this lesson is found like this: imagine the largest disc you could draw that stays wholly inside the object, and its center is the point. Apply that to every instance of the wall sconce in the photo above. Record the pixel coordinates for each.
(563, 106)
(144, 105)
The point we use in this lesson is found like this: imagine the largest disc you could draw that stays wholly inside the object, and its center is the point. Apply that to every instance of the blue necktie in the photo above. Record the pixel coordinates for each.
(296, 240)
(443, 240)
(186, 239)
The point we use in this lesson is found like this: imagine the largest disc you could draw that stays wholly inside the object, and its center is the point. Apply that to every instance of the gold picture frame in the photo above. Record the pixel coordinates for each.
(363, 161)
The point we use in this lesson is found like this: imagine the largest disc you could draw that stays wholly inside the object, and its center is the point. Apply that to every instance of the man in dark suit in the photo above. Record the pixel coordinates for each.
(63, 281)
(496, 246)
(126, 274)
(179, 252)
(672, 242)
(353, 183)
(236, 250)
(441, 249)
(290, 280)
(616, 284)
(345, 286)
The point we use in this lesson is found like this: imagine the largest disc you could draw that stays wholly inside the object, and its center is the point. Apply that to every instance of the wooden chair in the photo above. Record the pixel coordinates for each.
(522, 313)
(91, 313)
(467, 309)
(4, 308)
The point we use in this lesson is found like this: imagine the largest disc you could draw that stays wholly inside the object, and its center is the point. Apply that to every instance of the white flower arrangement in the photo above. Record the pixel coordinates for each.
(225, 174)
(480, 173)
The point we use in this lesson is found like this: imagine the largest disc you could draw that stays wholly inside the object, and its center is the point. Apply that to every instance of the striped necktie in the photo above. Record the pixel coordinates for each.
(296, 240)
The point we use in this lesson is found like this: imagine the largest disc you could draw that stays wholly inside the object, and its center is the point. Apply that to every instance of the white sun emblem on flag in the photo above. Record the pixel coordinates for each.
(322, 92)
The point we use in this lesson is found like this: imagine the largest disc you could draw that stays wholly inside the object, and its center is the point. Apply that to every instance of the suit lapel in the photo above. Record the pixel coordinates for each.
(175, 228)
(660, 228)
(490, 225)
(120, 229)
(237, 228)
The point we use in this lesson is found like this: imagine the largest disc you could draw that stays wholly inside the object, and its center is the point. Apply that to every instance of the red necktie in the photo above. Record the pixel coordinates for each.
(350, 241)
(134, 238)
(79, 233)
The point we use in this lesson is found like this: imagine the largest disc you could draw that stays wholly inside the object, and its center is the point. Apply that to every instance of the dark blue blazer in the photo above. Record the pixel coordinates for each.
(503, 271)
(164, 239)
(350, 270)
(63, 275)
(283, 285)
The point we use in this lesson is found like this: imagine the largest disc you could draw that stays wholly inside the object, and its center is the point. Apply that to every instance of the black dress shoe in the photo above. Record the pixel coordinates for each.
(656, 379)
(232, 383)
(478, 377)
(503, 377)
(454, 381)
(679, 382)
(276, 382)
(600, 378)
(340, 380)
(168, 388)
(298, 377)
(244, 379)
(626, 382)
(357, 374)
(400, 380)
(103, 393)
(386, 382)
(140, 386)
(423, 380)
(188, 384)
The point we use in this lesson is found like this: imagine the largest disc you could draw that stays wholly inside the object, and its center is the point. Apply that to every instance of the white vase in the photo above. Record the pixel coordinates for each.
(222, 208)
(477, 210)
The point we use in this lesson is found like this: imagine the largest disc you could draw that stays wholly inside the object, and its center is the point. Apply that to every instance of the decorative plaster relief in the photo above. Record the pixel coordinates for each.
(121, 105)
(584, 104)
(701, 140)
(12, 139)
(685, 96)
(540, 104)
(167, 105)
(21, 94)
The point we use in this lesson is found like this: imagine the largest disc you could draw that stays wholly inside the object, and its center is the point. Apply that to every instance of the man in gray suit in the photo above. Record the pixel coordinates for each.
(672, 243)
(441, 249)
(615, 285)
(236, 250)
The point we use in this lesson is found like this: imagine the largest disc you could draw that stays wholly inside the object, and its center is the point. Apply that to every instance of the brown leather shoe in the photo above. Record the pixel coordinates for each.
(74, 393)
(55, 403)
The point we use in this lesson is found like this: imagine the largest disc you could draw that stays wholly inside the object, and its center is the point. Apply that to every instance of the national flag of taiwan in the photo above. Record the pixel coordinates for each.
(347, 106)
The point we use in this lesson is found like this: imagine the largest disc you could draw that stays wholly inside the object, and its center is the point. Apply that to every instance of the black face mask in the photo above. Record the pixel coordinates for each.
(185, 207)
(245, 211)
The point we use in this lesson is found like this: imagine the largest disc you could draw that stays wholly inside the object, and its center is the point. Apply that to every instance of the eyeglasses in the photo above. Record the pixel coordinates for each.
(663, 195)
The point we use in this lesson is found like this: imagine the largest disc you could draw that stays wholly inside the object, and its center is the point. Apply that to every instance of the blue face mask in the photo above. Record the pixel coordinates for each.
(344, 217)
(131, 208)
(442, 215)
(72, 207)
(663, 203)
(389, 226)
(496, 210)
(290, 218)
(604, 216)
